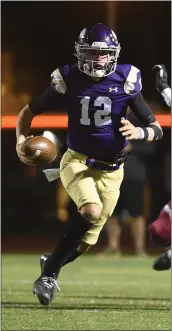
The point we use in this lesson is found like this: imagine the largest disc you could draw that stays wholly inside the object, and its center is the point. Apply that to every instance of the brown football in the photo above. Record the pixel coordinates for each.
(40, 149)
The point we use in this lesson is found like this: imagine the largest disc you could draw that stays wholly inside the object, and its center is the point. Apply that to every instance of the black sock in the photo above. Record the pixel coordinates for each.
(74, 254)
(66, 249)
(72, 257)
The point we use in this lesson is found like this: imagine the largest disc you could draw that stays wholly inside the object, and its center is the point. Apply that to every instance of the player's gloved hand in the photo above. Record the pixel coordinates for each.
(129, 130)
(22, 156)
(161, 77)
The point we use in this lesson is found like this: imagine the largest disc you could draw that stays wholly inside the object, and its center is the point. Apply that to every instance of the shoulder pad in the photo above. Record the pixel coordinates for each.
(58, 81)
(133, 82)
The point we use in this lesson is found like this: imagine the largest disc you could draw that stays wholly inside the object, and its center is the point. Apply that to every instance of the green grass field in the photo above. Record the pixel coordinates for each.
(96, 294)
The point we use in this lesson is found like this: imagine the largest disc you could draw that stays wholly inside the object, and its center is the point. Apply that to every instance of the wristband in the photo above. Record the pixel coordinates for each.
(141, 134)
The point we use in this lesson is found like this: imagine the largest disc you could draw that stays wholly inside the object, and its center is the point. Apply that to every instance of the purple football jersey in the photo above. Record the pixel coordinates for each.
(95, 108)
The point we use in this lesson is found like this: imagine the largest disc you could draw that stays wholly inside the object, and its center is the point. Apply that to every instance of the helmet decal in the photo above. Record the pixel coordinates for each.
(114, 37)
(82, 33)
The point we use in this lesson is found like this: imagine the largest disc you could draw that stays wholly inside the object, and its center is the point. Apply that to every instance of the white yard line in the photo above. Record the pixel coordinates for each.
(91, 282)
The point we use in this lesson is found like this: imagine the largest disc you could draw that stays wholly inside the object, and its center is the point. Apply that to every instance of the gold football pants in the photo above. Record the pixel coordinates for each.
(86, 185)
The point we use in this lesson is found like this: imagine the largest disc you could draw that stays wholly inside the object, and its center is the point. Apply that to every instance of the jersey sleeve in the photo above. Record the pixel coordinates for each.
(133, 81)
(53, 98)
(48, 100)
(59, 78)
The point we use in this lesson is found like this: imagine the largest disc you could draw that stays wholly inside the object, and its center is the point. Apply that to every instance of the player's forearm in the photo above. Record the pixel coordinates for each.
(23, 124)
(151, 132)
(141, 110)
(151, 128)
(154, 131)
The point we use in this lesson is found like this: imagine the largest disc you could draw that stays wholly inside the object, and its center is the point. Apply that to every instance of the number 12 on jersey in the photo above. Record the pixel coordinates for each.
(101, 116)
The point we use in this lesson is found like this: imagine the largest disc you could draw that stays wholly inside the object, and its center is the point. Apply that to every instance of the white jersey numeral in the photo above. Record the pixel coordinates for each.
(101, 116)
(85, 120)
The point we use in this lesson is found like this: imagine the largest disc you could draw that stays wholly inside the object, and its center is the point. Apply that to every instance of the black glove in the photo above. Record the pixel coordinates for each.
(161, 77)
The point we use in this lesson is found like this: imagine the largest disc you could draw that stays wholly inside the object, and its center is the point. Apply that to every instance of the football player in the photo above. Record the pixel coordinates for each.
(161, 228)
(96, 93)
(160, 231)
(162, 83)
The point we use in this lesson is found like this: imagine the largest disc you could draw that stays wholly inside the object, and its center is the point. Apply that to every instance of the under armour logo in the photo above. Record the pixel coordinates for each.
(113, 89)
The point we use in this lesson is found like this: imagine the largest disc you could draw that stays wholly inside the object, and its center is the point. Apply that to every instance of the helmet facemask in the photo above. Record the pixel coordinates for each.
(97, 60)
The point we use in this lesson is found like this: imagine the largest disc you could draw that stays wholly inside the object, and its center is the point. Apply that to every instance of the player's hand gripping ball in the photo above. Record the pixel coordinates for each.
(40, 150)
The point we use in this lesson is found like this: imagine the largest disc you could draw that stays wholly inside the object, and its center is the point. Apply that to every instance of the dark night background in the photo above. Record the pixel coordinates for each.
(40, 36)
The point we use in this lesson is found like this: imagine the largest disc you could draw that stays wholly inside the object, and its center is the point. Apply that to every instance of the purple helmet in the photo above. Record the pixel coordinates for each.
(97, 50)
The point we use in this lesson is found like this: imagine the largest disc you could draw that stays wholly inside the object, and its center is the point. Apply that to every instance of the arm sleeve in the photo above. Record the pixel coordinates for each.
(48, 100)
(141, 110)
(54, 96)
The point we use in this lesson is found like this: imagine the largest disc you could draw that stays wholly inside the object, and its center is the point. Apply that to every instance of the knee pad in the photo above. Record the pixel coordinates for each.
(91, 212)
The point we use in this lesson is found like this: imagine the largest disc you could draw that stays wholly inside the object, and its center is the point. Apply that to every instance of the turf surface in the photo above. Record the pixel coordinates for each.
(96, 294)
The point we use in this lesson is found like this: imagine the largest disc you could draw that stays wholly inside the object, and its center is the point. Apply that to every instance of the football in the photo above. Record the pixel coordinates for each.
(40, 149)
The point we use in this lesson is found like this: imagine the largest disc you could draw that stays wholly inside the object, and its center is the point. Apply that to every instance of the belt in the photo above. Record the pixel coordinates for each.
(118, 160)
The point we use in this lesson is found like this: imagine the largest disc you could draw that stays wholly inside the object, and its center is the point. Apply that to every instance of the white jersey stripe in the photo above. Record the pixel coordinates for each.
(131, 80)
(58, 81)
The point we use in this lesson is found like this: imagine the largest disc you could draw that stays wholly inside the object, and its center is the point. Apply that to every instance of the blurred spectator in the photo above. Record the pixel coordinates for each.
(11, 101)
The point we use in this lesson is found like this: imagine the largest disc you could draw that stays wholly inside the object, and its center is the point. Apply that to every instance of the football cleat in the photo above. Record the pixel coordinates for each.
(162, 262)
(44, 288)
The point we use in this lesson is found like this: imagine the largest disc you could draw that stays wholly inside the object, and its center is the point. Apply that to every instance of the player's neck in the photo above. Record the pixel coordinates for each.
(96, 79)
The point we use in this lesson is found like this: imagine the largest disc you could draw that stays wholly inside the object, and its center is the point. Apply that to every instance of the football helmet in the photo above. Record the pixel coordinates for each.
(97, 50)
